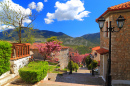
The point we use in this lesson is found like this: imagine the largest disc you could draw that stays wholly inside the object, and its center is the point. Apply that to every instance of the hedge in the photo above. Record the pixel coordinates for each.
(5, 54)
(34, 72)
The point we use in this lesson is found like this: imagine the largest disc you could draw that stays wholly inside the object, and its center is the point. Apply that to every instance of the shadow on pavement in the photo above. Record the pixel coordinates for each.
(80, 78)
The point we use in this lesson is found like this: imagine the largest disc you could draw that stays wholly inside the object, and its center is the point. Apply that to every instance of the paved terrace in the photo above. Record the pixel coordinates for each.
(81, 78)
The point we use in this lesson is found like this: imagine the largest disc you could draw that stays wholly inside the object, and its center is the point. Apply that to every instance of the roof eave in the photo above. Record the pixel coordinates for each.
(112, 10)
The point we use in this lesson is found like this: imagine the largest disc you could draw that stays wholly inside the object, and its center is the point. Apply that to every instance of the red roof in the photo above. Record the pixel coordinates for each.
(33, 46)
(122, 6)
(73, 53)
(96, 48)
(64, 47)
(102, 51)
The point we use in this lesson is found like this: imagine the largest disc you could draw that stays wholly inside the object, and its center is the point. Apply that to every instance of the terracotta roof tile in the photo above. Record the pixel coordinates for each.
(122, 6)
(102, 51)
(33, 46)
(96, 48)
(64, 47)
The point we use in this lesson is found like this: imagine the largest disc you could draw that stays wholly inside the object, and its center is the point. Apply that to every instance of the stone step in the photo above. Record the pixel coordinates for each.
(52, 83)
(6, 78)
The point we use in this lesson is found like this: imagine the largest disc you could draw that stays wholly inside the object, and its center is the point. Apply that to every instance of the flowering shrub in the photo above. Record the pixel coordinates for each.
(48, 48)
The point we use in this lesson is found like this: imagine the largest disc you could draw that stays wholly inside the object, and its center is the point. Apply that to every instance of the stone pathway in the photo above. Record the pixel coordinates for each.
(81, 78)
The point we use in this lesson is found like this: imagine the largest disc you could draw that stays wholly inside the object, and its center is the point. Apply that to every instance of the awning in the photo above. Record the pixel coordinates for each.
(102, 51)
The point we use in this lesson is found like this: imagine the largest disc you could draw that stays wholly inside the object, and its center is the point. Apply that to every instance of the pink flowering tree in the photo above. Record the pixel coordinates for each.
(79, 58)
(46, 49)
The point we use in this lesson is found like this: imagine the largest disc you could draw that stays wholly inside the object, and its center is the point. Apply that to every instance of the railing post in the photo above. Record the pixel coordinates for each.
(16, 51)
(29, 49)
(20, 51)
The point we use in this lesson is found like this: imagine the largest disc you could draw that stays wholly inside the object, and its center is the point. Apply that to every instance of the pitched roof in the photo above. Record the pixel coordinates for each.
(102, 51)
(122, 6)
(96, 48)
(64, 47)
(33, 46)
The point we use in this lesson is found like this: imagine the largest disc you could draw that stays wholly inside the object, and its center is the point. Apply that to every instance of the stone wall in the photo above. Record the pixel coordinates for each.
(120, 46)
(19, 63)
(36, 54)
(121, 49)
(96, 57)
(63, 58)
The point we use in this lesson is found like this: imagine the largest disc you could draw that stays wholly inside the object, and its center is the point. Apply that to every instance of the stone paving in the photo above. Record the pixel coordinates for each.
(81, 78)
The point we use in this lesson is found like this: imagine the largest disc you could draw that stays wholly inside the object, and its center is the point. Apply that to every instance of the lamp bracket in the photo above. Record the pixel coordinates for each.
(112, 30)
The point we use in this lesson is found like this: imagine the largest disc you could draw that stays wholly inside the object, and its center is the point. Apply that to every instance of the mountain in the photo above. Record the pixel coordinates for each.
(94, 38)
(41, 35)
(82, 44)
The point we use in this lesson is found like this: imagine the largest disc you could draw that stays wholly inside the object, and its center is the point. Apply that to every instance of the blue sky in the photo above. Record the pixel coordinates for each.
(74, 26)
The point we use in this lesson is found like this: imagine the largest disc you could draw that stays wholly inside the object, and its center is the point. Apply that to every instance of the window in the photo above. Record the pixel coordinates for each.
(95, 54)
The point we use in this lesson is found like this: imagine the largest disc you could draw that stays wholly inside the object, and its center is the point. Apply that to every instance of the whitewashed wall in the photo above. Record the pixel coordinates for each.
(17, 64)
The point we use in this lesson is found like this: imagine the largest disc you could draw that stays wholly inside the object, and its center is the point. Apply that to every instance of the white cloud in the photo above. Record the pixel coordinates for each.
(45, 0)
(3, 27)
(16, 12)
(32, 5)
(39, 6)
(73, 9)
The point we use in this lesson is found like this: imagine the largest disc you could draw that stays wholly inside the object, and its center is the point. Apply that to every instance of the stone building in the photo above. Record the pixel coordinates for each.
(95, 55)
(63, 55)
(120, 45)
(36, 54)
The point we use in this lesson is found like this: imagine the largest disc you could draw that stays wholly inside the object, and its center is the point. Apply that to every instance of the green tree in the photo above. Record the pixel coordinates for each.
(92, 65)
(16, 17)
(88, 60)
(53, 38)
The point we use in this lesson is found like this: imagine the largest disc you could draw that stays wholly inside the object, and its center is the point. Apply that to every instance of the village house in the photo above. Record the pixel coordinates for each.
(63, 55)
(120, 45)
(94, 54)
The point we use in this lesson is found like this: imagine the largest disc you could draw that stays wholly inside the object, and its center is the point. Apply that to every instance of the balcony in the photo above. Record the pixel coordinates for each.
(20, 50)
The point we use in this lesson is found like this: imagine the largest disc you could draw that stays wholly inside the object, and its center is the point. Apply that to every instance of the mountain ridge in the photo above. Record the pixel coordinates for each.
(86, 40)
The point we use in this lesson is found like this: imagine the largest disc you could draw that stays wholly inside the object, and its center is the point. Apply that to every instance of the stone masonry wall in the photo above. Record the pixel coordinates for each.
(121, 48)
(63, 58)
(120, 43)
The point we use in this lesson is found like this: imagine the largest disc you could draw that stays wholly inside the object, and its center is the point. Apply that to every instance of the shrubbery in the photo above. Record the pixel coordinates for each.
(5, 54)
(73, 65)
(88, 60)
(91, 64)
(34, 72)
